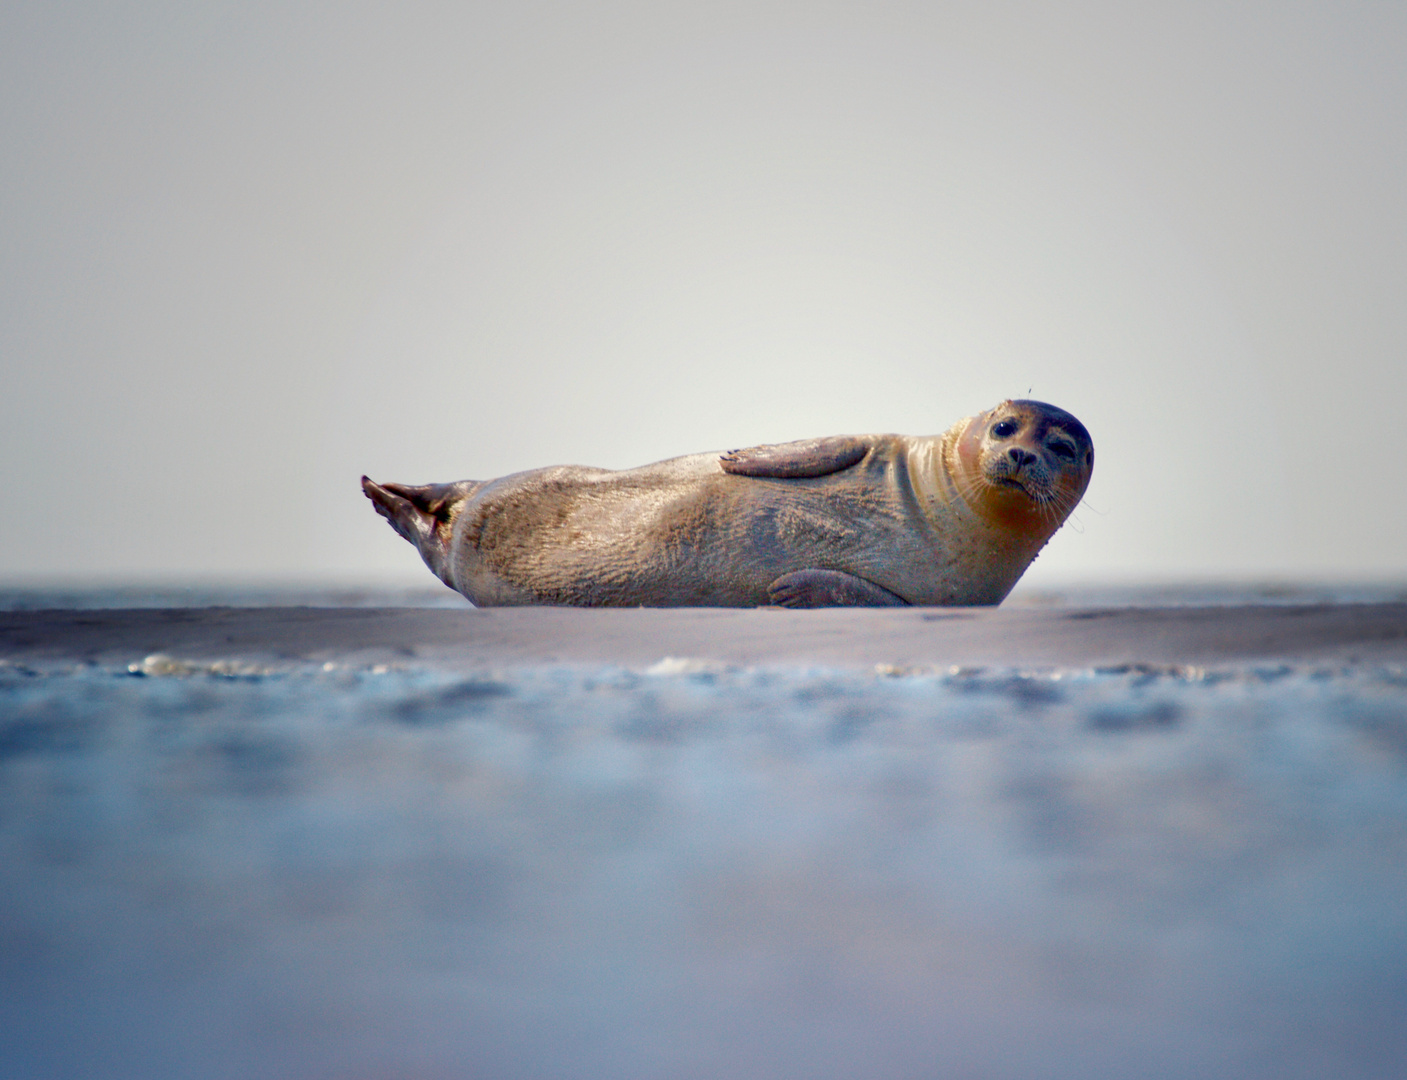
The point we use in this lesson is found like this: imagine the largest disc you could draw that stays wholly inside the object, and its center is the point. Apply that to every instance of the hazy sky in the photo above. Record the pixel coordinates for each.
(250, 251)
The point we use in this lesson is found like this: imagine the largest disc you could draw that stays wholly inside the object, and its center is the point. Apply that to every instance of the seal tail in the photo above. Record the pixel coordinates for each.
(420, 514)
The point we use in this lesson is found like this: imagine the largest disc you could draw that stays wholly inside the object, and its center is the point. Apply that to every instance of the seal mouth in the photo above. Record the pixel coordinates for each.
(1007, 481)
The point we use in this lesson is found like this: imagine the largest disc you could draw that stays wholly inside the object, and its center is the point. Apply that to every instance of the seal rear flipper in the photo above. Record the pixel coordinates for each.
(830, 588)
(797, 460)
(420, 514)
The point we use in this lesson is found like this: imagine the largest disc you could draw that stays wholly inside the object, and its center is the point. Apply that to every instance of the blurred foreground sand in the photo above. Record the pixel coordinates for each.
(1046, 842)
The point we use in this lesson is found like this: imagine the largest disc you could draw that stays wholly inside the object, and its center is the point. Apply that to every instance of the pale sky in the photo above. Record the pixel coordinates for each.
(251, 251)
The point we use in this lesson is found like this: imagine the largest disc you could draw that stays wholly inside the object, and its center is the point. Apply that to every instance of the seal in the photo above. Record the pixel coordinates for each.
(872, 520)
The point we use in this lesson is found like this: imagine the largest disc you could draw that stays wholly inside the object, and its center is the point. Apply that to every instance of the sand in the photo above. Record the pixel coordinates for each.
(1007, 637)
(1082, 842)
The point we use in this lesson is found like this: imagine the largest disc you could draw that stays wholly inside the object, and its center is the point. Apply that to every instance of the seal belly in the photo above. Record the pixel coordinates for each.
(681, 532)
(571, 535)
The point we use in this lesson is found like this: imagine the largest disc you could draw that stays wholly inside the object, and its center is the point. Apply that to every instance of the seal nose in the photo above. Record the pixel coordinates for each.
(1021, 458)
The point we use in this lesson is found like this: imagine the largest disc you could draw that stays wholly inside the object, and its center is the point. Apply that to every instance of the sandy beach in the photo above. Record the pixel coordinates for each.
(1055, 841)
(1010, 637)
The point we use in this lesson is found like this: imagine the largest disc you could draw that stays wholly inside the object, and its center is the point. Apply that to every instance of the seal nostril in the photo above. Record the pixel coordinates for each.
(1019, 456)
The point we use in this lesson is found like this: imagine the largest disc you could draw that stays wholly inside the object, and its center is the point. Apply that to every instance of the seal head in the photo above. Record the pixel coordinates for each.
(1023, 466)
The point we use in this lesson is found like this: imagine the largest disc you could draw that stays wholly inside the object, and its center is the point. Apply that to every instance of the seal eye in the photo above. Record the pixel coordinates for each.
(1060, 448)
(1005, 429)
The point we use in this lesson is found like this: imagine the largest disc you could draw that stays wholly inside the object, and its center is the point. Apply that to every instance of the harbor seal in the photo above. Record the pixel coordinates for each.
(871, 520)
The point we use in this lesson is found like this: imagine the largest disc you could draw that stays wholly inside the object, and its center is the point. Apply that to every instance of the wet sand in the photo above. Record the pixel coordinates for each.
(1065, 842)
(1006, 637)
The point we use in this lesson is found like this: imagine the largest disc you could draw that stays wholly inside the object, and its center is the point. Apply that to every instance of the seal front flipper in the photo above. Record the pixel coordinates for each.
(830, 588)
(796, 460)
